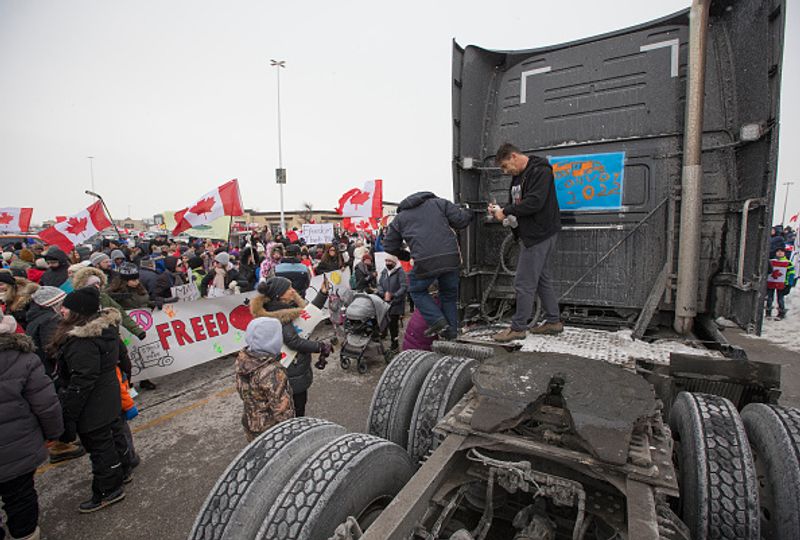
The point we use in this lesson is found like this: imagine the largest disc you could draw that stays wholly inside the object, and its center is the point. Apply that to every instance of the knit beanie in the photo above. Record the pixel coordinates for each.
(117, 254)
(26, 255)
(98, 257)
(264, 335)
(7, 278)
(274, 287)
(128, 272)
(223, 258)
(85, 301)
(41, 264)
(47, 296)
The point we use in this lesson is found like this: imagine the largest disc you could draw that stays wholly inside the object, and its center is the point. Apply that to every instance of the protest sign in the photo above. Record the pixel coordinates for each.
(318, 233)
(339, 281)
(304, 325)
(186, 293)
(185, 334)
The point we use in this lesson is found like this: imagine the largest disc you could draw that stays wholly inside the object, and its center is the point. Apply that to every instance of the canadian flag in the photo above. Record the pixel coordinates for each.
(363, 203)
(77, 229)
(359, 224)
(15, 220)
(777, 274)
(223, 201)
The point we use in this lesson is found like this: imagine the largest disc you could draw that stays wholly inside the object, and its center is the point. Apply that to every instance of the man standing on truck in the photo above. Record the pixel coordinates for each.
(535, 208)
(427, 224)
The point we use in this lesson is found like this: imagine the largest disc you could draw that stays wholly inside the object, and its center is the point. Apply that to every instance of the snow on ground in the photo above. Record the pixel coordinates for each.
(785, 333)
(614, 347)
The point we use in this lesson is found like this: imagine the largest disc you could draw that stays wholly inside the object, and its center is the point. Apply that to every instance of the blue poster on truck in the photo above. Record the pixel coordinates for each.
(589, 181)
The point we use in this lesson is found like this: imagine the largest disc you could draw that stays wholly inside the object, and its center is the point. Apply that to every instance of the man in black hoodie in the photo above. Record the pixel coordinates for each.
(426, 223)
(535, 207)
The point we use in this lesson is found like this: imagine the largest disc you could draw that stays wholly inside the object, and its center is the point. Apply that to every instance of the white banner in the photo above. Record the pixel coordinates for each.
(186, 334)
(317, 233)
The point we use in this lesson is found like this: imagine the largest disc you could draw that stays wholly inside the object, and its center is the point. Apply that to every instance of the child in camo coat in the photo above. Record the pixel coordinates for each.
(261, 381)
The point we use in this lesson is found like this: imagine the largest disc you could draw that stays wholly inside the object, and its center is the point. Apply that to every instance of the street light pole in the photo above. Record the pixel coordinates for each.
(91, 169)
(280, 173)
(785, 201)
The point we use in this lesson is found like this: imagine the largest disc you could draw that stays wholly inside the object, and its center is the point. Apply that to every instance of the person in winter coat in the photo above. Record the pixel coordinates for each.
(269, 263)
(392, 287)
(94, 277)
(331, 260)
(155, 280)
(24, 261)
(36, 271)
(173, 268)
(365, 275)
(261, 380)
(56, 275)
(87, 350)
(247, 270)
(15, 296)
(783, 266)
(292, 269)
(196, 271)
(220, 279)
(278, 300)
(102, 262)
(30, 414)
(127, 291)
(43, 318)
(426, 224)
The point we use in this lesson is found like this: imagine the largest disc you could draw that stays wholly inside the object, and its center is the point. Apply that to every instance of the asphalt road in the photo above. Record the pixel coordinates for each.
(189, 430)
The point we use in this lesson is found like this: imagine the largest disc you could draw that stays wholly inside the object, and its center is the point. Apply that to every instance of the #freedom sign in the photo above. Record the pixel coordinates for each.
(317, 233)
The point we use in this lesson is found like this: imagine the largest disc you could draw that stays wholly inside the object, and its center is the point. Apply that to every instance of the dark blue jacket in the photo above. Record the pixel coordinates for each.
(425, 222)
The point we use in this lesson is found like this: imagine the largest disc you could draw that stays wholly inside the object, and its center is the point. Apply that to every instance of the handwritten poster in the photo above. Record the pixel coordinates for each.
(589, 181)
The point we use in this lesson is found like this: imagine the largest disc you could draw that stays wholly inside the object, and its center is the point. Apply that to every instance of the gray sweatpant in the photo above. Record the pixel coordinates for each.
(534, 274)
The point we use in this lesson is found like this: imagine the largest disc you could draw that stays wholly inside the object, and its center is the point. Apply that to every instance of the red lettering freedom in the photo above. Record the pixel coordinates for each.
(200, 328)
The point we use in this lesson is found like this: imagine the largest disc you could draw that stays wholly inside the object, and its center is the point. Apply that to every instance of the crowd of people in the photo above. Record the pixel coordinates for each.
(782, 269)
(67, 374)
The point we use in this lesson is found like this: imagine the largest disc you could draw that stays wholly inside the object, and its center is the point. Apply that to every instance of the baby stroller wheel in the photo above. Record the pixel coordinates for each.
(362, 367)
(344, 362)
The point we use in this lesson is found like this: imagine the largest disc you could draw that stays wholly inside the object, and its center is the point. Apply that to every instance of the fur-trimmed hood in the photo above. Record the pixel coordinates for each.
(22, 296)
(108, 317)
(80, 277)
(264, 306)
(16, 342)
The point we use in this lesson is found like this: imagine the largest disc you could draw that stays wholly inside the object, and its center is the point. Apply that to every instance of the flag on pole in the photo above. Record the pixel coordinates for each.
(15, 220)
(793, 219)
(363, 203)
(223, 201)
(77, 229)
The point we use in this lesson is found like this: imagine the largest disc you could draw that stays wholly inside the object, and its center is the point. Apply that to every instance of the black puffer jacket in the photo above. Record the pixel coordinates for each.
(426, 223)
(42, 323)
(55, 277)
(29, 409)
(86, 365)
(299, 371)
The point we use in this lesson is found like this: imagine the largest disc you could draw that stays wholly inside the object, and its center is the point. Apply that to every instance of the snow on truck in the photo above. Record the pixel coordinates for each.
(663, 140)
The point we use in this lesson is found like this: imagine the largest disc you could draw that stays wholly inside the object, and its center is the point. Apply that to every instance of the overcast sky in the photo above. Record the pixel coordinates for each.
(175, 97)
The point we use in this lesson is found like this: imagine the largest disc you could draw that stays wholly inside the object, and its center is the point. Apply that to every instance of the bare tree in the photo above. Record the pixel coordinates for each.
(307, 214)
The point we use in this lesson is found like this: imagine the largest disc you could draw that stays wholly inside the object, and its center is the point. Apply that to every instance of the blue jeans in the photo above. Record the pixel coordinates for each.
(448, 297)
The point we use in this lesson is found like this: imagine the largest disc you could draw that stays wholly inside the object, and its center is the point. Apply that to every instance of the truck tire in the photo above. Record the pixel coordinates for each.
(236, 506)
(718, 488)
(774, 434)
(446, 383)
(394, 398)
(354, 475)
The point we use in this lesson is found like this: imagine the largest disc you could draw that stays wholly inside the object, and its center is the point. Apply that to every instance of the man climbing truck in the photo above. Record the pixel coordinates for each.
(663, 143)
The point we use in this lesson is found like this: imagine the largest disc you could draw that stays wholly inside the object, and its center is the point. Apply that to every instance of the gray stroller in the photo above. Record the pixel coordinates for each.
(366, 319)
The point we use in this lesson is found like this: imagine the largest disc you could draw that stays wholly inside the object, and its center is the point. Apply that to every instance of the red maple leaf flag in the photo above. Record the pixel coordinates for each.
(777, 275)
(15, 220)
(367, 203)
(794, 218)
(223, 201)
(77, 229)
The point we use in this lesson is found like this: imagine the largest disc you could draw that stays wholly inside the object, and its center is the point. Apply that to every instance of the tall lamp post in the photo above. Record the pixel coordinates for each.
(280, 172)
(785, 201)
(91, 169)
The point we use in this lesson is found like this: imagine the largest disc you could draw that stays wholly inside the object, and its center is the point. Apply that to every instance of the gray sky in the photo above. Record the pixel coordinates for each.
(176, 97)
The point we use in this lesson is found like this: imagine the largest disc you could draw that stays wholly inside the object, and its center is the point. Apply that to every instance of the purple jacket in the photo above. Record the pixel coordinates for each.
(415, 333)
